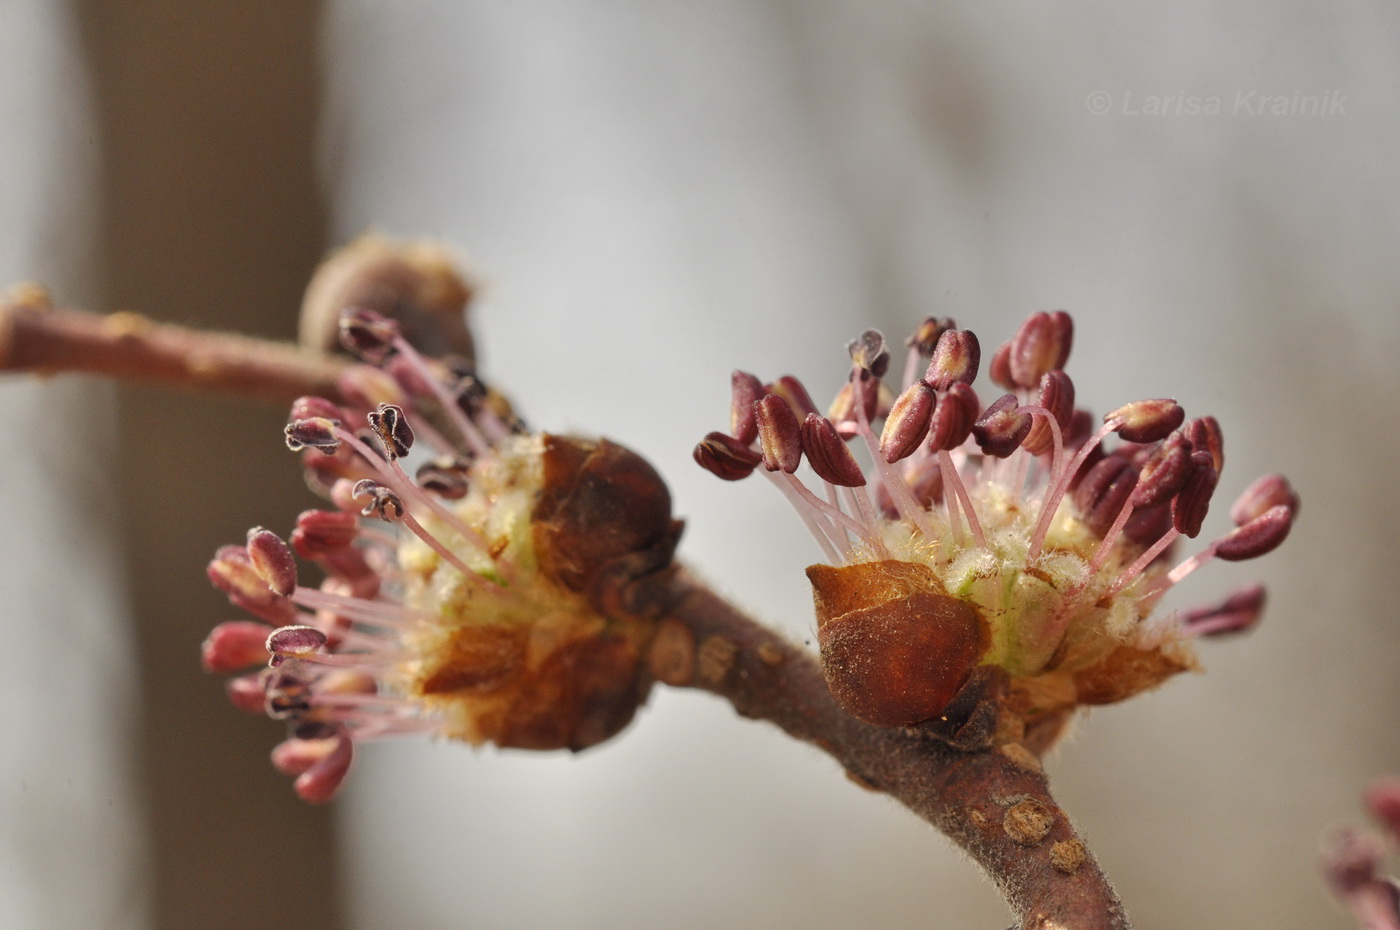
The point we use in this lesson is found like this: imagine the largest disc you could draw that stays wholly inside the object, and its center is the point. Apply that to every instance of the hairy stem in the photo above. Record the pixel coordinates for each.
(40, 339)
(995, 804)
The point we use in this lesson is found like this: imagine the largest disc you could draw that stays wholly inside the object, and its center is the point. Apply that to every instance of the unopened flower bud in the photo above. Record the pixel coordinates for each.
(745, 391)
(1146, 420)
(952, 419)
(1258, 536)
(955, 359)
(1268, 491)
(725, 457)
(908, 421)
(1001, 428)
(868, 352)
(779, 434)
(1041, 344)
(827, 453)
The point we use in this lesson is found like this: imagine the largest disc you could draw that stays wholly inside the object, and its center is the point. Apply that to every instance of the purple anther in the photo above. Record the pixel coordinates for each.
(383, 503)
(310, 406)
(272, 559)
(828, 455)
(314, 433)
(725, 457)
(1257, 537)
(391, 426)
(1000, 369)
(1002, 427)
(1146, 420)
(1103, 491)
(795, 393)
(319, 783)
(367, 334)
(842, 412)
(1383, 801)
(1236, 614)
(1148, 524)
(925, 338)
(293, 642)
(1041, 344)
(869, 353)
(955, 359)
(1204, 433)
(779, 434)
(952, 419)
(1056, 395)
(908, 422)
(246, 693)
(447, 477)
(319, 533)
(1191, 503)
(234, 646)
(745, 391)
(1268, 491)
(1164, 472)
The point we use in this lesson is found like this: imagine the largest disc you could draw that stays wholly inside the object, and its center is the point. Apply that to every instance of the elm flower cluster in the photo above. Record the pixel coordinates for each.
(505, 591)
(1001, 548)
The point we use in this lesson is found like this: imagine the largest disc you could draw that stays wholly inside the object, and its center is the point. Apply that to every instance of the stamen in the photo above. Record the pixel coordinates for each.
(745, 391)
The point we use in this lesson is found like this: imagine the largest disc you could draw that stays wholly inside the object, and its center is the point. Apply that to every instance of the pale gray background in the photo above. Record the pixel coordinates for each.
(663, 191)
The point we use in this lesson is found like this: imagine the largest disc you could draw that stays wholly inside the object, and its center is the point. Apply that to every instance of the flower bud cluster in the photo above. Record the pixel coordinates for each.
(1009, 540)
(506, 591)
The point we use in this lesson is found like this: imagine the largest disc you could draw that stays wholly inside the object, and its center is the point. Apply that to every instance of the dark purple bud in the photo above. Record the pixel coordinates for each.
(310, 406)
(1236, 614)
(955, 359)
(1103, 491)
(1057, 396)
(1041, 344)
(319, 783)
(1257, 537)
(725, 457)
(447, 477)
(925, 338)
(391, 426)
(272, 559)
(1191, 503)
(1204, 433)
(779, 434)
(908, 422)
(745, 391)
(953, 418)
(1146, 420)
(1002, 427)
(869, 354)
(312, 432)
(234, 646)
(791, 390)
(383, 503)
(828, 455)
(1164, 472)
(319, 533)
(246, 692)
(366, 334)
(1269, 491)
(1000, 369)
(295, 641)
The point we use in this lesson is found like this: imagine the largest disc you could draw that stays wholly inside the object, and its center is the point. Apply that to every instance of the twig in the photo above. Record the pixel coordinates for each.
(995, 804)
(42, 340)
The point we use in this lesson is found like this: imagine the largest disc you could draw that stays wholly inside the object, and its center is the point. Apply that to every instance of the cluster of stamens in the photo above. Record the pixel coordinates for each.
(1018, 506)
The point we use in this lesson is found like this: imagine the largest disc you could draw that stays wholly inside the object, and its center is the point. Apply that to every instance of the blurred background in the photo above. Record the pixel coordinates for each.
(659, 192)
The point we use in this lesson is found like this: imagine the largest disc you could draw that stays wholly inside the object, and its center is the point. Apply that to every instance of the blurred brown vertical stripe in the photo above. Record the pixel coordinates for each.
(211, 216)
